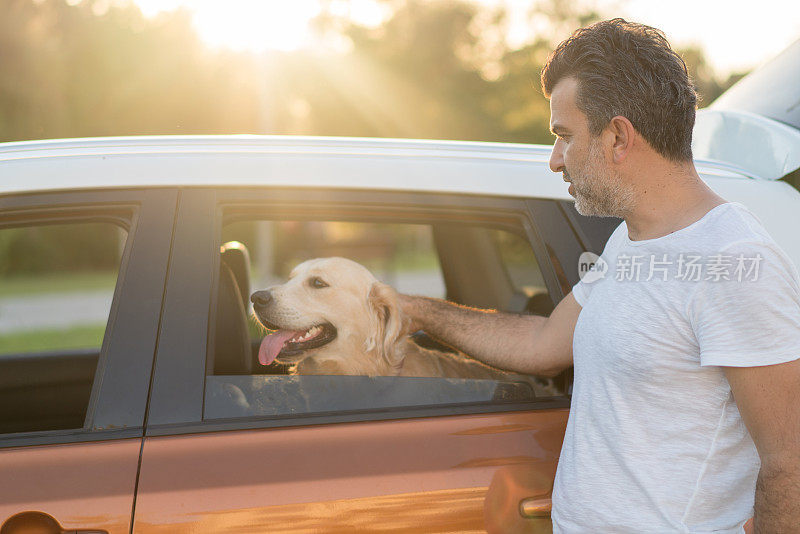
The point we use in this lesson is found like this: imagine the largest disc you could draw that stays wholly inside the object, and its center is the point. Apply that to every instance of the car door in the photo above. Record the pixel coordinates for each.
(233, 449)
(81, 285)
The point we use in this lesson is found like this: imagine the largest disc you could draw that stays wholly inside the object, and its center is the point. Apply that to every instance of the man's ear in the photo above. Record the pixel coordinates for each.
(386, 324)
(622, 135)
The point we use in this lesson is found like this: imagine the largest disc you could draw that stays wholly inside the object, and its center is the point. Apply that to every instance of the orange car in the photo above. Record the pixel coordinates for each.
(131, 396)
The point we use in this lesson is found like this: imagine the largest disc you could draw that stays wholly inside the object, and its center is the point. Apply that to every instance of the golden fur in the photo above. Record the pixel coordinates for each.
(372, 333)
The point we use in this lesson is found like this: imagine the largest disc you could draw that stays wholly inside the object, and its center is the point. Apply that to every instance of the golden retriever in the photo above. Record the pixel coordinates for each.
(334, 317)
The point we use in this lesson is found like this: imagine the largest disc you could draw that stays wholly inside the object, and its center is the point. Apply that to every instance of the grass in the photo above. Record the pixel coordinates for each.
(79, 337)
(416, 262)
(57, 283)
(403, 262)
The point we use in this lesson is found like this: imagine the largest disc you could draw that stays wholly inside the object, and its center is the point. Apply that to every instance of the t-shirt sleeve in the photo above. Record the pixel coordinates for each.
(752, 318)
(581, 293)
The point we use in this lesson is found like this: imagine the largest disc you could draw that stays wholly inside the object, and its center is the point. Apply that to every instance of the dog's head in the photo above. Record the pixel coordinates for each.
(332, 309)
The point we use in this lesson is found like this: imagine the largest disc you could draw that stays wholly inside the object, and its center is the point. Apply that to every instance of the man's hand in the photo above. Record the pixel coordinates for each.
(528, 344)
(767, 398)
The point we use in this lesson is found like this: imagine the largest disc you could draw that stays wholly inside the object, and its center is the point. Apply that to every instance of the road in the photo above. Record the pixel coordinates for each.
(56, 311)
(61, 311)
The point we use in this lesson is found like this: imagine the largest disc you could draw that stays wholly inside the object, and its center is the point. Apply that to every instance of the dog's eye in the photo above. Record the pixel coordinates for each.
(317, 283)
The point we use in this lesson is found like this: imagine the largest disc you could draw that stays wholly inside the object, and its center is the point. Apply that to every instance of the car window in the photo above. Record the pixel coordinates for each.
(475, 265)
(56, 288)
(519, 261)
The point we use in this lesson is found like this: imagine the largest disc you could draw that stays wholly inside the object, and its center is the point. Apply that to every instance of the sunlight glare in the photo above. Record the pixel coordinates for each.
(259, 25)
(255, 25)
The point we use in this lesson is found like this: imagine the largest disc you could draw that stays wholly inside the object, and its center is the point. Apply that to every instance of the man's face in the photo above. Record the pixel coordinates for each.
(582, 158)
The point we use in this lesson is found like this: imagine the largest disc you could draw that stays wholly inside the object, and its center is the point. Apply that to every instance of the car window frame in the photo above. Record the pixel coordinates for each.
(592, 232)
(117, 404)
(177, 395)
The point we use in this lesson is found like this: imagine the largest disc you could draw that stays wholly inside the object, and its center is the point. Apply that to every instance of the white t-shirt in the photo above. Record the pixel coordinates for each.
(655, 442)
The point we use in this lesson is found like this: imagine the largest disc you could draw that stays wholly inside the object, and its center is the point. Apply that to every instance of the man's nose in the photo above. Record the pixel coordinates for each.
(261, 298)
(557, 158)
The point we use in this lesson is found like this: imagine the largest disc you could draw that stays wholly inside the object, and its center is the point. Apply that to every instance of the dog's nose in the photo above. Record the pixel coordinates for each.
(261, 298)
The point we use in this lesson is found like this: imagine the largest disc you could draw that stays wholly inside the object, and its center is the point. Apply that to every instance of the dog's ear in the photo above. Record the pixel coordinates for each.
(387, 324)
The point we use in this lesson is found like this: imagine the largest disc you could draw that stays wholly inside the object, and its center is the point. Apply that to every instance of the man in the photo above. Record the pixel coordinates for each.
(668, 363)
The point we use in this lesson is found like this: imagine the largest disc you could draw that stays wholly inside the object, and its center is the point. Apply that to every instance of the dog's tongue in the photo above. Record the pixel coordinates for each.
(272, 344)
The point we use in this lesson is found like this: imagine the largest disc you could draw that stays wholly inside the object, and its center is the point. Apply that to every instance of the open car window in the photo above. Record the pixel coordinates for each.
(471, 264)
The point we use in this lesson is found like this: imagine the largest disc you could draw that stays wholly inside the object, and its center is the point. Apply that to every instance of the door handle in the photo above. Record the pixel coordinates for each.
(536, 507)
(40, 523)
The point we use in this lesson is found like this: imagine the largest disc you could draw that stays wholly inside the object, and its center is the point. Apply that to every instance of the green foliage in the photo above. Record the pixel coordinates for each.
(71, 72)
(79, 337)
(59, 248)
(708, 83)
(434, 69)
(28, 284)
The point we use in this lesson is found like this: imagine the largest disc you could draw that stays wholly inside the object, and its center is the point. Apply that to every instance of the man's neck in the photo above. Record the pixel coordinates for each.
(667, 199)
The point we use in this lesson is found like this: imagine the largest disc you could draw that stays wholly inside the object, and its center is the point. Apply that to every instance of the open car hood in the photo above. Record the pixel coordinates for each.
(762, 147)
(755, 124)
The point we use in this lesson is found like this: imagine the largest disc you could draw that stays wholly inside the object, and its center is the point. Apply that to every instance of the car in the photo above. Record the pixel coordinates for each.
(131, 396)
(168, 423)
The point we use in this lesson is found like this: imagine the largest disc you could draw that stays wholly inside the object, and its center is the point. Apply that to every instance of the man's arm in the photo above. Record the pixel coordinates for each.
(767, 398)
(529, 344)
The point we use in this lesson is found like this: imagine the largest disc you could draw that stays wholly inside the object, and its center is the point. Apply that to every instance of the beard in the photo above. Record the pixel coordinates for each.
(598, 190)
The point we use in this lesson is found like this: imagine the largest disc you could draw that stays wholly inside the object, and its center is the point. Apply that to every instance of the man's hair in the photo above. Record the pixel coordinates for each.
(628, 69)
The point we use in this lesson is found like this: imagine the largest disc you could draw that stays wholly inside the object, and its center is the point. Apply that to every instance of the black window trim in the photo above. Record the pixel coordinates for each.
(354, 416)
(603, 226)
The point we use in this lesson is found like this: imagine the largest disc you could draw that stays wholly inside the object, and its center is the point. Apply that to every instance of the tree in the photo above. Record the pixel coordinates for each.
(90, 70)
(433, 69)
(708, 83)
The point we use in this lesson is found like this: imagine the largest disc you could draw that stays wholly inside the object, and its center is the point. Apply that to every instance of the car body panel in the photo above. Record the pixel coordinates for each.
(80, 485)
(426, 474)
(769, 149)
(775, 203)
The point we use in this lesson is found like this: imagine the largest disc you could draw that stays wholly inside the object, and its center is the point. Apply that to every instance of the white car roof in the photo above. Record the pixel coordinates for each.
(503, 169)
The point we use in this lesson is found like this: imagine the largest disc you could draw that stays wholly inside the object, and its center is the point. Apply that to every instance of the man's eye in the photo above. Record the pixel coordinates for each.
(317, 283)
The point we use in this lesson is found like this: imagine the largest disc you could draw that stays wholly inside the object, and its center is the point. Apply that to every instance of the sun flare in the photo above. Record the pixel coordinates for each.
(259, 25)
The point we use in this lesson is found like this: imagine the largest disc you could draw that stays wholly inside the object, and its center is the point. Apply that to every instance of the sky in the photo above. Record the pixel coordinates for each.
(735, 35)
